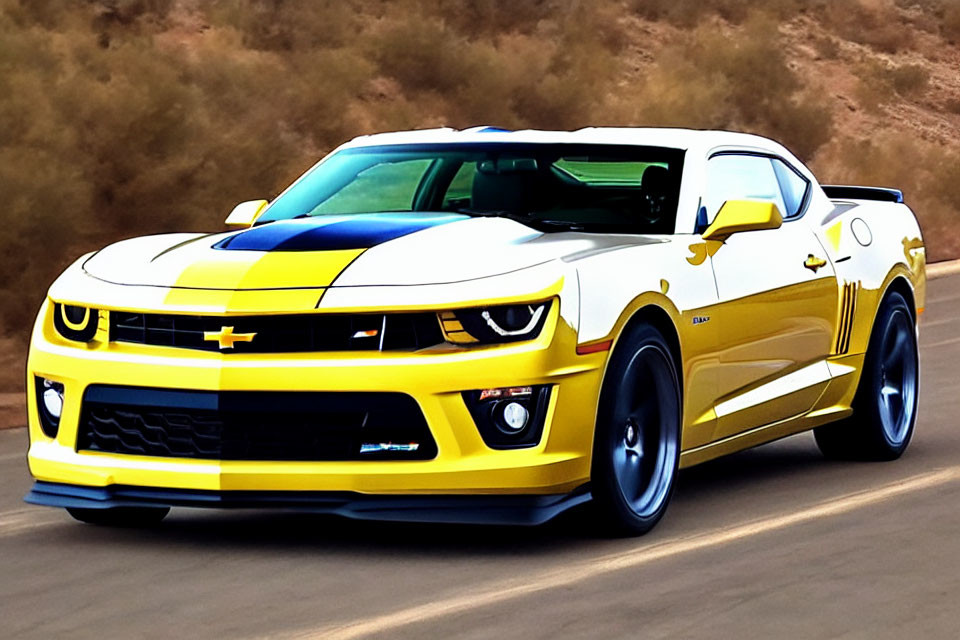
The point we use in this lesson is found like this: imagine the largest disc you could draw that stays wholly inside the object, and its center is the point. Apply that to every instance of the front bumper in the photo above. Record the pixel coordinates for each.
(464, 465)
(463, 509)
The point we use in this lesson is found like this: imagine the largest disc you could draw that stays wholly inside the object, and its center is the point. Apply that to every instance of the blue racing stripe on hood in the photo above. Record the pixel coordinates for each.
(321, 233)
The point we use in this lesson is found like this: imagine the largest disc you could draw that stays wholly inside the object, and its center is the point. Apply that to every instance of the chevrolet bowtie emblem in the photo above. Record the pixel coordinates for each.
(227, 338)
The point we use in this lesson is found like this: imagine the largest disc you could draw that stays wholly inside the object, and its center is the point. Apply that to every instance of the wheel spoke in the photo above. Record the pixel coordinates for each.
(900, 345)
(630, 475)
(890, 396)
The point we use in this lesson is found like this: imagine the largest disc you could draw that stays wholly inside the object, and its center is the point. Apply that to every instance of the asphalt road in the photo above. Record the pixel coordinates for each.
(770, 542)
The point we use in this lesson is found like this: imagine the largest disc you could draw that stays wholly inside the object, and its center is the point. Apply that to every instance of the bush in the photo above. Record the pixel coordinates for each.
(740, 80)
(873, 24)
(951, 23)
(882, 83)
(687, 13)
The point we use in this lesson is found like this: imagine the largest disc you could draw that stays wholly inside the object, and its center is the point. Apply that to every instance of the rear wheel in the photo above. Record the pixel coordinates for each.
(637, 442)
(885, 406)
(121, 516)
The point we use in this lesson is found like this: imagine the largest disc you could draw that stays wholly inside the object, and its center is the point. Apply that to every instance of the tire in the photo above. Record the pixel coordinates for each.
(636, 450)
(886, 402)
(133, 517)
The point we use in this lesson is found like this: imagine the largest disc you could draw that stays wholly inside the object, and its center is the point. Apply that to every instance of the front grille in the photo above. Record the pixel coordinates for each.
(260, 425)
(281, 334)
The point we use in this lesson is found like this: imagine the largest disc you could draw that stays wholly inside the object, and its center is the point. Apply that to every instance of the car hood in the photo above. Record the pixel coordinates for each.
(357, 250)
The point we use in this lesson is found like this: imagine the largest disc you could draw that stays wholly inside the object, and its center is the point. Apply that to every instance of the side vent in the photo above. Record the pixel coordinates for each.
(848, 306)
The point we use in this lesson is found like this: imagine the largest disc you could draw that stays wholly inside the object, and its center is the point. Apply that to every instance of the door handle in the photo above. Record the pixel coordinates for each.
(814, 263)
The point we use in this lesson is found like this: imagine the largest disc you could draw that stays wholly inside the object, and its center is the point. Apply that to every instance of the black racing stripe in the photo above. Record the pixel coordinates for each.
(361, 231)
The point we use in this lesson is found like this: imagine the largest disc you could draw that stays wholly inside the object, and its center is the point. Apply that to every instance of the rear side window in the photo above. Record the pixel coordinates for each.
(793, 186)
(740, 177)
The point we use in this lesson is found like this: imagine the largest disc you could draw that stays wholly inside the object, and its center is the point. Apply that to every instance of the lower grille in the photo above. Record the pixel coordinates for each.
(261, 425)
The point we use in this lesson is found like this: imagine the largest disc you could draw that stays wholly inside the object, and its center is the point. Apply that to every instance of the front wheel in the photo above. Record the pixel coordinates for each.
(885, 406)
(133, 517)
(636, 448)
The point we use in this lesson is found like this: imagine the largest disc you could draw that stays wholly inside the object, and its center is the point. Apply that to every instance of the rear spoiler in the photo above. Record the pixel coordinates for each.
(844, 192)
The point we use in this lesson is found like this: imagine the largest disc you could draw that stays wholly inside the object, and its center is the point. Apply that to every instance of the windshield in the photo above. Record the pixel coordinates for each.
(609, 188)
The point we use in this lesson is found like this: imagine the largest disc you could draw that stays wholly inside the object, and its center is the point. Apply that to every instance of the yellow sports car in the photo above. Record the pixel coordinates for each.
(481, 325)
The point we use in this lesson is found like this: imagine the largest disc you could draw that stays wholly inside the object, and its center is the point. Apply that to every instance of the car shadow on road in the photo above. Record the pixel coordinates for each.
(704, 488)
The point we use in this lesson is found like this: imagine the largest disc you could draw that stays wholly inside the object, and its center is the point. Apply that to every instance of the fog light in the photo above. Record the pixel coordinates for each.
(515, 416)
(509, 417)
(50, 405)
(53, 402)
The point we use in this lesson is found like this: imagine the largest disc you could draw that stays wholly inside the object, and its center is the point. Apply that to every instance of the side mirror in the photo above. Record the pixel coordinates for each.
(245, 214)
(743, 215)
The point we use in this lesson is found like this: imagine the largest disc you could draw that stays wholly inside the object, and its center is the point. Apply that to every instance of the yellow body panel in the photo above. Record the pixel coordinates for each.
(246, 270)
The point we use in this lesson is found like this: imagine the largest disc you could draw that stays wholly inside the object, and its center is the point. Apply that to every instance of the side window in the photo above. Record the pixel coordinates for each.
(388, 186)
(460, 191)
(740, 177)
(793, 186)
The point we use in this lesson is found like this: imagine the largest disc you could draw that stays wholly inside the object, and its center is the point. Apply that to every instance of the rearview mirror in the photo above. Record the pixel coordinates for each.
(245, 214)
(743, 215)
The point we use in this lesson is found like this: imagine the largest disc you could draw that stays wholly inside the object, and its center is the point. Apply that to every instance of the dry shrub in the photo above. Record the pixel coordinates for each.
(875, 24)
(827, 48)
(288, 25)
(557, 78)
(908, 79)
(687, 13)
(490, 18)
(950, 26)
(422, 54)
(882, 82)
(737, 80)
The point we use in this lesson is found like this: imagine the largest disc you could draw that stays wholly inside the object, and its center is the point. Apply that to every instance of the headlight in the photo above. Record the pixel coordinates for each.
(75, 323)
(493, 325)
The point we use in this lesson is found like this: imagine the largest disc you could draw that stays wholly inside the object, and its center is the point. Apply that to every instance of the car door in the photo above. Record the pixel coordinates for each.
(777, 299)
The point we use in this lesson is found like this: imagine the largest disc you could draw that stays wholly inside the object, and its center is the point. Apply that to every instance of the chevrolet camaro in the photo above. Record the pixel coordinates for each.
(481, 326)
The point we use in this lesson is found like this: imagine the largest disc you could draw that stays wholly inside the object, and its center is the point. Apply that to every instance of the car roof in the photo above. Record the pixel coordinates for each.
(675, 138)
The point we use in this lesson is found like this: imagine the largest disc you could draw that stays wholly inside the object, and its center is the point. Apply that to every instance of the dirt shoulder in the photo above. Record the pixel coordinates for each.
(13, 363)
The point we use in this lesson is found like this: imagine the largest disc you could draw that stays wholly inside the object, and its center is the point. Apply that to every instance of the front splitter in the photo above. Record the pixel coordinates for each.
(465, 509)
